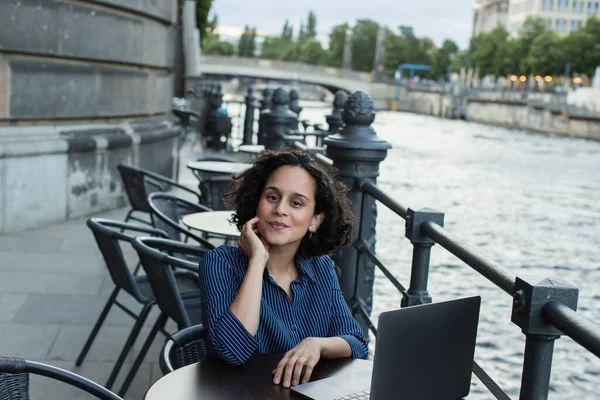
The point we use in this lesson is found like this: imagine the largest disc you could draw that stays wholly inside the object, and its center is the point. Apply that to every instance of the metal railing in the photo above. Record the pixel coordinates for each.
(551, 314)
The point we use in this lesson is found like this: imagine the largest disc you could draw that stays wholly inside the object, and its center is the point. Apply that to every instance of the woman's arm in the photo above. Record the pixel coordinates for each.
(220, 279)
(343, 325)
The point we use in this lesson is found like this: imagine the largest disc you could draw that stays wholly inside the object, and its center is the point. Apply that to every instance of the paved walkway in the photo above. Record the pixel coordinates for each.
(53, 285)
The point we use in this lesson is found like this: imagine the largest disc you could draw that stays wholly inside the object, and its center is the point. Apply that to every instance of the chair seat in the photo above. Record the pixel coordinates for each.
(187, 283)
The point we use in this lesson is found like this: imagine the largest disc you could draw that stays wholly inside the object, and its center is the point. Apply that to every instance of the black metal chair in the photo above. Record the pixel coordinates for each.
(14, 379)
(212, 189)
(159, 264)
(183, 348)
(166, 212)
(109, 235)
(139, 183)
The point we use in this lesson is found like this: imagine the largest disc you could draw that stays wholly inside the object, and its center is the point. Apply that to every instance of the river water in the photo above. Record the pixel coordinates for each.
(531, 202)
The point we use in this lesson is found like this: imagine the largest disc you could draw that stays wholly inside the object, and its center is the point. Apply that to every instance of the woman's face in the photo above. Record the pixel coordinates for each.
(287, 206)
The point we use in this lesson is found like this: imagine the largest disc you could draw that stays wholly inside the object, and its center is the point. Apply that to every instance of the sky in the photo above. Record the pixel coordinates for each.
(436, 19)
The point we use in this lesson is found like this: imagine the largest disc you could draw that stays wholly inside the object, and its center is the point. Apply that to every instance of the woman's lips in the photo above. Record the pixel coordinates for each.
(278, 226)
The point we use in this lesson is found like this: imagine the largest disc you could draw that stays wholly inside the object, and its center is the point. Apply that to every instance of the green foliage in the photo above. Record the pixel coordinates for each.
(311, 25)
(311, 52)
(337, 39)
(364, 38)
(202, 10)
(442, 58)
(247, 43)
(535, 50)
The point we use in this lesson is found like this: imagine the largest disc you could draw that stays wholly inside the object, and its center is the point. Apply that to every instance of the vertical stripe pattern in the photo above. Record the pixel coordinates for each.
(318, 308)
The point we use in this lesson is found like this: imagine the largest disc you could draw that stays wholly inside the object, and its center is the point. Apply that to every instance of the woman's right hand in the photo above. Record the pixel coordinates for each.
(253, 246)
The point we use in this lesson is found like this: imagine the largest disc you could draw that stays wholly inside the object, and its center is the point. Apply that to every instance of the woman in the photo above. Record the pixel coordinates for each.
(277, 291)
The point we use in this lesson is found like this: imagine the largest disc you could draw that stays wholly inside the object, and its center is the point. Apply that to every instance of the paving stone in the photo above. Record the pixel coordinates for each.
(10, 304)
(64, 263)
(26, 244)
(31, 341)
(79, 310)
(49, 283)
(106, 347)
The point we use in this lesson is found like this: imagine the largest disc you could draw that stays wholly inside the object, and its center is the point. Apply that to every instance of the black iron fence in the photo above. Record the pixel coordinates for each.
(543, 311)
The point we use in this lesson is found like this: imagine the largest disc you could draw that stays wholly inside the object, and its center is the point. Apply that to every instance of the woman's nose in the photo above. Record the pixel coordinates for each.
(280, 208)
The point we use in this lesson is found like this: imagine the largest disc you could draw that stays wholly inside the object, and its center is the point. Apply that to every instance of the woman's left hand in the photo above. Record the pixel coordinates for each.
(306, 354)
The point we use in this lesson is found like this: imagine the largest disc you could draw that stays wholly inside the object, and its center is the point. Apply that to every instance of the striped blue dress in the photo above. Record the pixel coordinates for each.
(318, 308)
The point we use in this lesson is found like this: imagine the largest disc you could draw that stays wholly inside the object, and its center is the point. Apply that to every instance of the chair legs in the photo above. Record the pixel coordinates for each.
(135, 331)
(158, 326)
(99, 322)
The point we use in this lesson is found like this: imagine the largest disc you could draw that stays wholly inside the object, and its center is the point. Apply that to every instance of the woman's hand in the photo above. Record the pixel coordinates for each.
(253, 246)
(306, 354)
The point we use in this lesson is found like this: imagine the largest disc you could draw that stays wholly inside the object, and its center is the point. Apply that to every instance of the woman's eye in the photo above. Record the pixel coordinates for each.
(296, 204)
(272, 197)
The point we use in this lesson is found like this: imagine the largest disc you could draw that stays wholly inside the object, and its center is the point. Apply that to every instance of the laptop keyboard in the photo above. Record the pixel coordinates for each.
(356, 396)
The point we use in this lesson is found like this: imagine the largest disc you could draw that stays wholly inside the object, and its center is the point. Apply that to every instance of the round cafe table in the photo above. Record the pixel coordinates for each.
(214, 222)
(251, 148)
(219, 167)
(215, 380)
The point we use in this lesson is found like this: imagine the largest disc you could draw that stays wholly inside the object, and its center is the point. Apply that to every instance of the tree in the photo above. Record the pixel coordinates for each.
(491, 52)
(247, 43)
(311, 25)
(545, 55)
(442, 58)
(530, 30)
(576, 47)
(462, 59)
(337, 39)
(273, 47)
(215, 47)
(395, 52)
(364, 39)
(287, 33)
(311, 52)
(202, 10)
(301, 33)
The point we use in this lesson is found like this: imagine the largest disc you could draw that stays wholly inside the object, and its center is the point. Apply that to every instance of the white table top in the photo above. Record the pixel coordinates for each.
(219, 166)
(251, 148)
(215, 222)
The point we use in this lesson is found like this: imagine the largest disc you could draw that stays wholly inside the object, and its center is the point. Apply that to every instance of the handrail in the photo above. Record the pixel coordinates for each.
(369, 187)
(573, 325)
(493, 271)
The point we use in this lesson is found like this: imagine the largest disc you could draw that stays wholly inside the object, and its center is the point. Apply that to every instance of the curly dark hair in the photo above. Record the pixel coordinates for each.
(331, 199)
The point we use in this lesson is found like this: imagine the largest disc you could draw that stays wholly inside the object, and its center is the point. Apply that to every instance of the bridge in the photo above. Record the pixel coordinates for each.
(332, 79)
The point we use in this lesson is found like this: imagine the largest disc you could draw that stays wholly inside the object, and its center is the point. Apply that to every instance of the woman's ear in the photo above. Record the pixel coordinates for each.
(316, 221)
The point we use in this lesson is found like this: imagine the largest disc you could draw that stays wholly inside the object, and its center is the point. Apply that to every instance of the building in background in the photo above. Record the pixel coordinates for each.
(488, 14)
(562, 16)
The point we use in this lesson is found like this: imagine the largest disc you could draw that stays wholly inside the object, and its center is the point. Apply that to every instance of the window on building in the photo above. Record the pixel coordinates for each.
(503, 6)
(563, 5)
(578, 6)
(561, 25)
(548, 5)
(548, 22)
(575, 25)
(592, 7)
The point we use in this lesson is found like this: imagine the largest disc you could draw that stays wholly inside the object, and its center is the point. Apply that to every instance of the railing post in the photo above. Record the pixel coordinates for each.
(265, 106)
(417, 292)
(295, 102)
(215, 101)
(334, 120)
(528, 303)
(357, 151)
(249, 117)
(278, 122)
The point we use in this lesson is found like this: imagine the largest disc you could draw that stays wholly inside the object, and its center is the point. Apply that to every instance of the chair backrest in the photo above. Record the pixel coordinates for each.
(14, 379)
(135, 186)
(158, 264)
(212, 189)
(166, 211)
(108, 237)
(185, 347)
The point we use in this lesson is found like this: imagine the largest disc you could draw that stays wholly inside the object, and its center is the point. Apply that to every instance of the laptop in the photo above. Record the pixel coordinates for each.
(422, 352)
